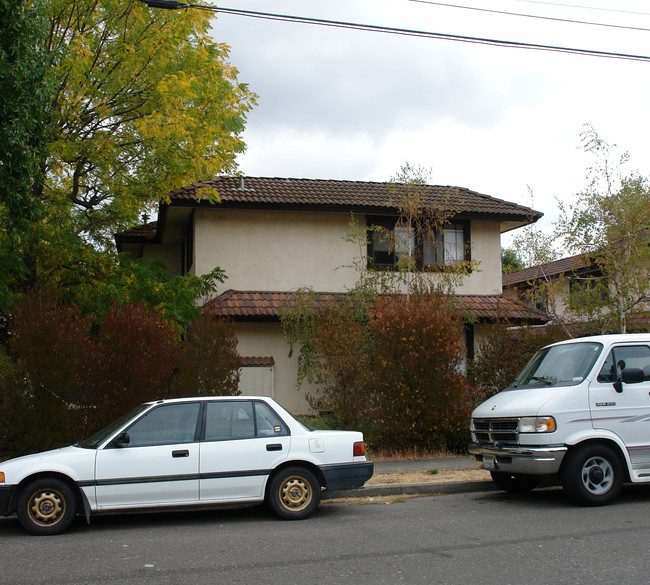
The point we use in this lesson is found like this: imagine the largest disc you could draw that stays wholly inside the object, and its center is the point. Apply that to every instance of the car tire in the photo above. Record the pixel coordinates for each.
(592, 474)
(46, 506)
(294, 493)
(515, 484)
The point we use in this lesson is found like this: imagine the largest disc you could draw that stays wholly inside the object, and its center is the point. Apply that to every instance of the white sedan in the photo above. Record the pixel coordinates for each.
(185, 452)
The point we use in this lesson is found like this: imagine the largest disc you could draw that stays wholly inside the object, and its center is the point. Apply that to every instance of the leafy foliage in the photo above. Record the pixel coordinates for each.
(106, 106)
(209, 362)
(510, 261)
(504, 351)
(131, 359)
(389, 366)
(65, 375)
(610, 225)
(418, 395)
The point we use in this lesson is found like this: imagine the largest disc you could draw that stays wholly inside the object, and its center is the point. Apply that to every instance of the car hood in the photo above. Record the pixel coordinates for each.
(75, 462)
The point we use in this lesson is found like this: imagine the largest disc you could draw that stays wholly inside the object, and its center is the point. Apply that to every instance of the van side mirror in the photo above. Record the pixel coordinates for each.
(632, 375)
(628, 376)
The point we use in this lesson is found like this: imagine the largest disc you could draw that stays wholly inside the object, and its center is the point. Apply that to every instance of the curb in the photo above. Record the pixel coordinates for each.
(450, 487)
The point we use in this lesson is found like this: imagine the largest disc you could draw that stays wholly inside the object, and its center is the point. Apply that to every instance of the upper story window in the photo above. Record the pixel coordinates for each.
(392, 239)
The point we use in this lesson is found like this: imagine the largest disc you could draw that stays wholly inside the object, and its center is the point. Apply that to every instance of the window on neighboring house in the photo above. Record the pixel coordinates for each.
(391, 240)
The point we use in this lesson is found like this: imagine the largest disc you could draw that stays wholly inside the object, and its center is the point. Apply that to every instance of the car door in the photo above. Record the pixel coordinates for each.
(244, 440)
(159, 465)
(625, 413)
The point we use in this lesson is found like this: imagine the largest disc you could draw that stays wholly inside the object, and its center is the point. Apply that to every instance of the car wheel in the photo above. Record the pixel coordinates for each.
(515, 484)
(294, 493)
(46, 506)
(592, 475)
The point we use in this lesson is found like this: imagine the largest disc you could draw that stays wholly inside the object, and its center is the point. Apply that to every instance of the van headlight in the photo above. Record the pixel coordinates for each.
(537, 424)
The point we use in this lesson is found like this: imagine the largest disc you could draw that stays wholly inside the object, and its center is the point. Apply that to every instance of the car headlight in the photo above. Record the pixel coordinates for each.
(537, 424)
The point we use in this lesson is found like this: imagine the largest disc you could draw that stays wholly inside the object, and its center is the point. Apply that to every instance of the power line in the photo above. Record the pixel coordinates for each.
(175, 5)
(618, 10)
(538, 17)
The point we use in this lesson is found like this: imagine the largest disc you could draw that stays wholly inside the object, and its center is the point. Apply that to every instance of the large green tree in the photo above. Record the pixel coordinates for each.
(137, 102)
(610, 224)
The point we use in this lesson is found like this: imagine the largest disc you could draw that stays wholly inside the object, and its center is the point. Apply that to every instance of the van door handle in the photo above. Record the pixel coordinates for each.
(274, 447)
(184, 453)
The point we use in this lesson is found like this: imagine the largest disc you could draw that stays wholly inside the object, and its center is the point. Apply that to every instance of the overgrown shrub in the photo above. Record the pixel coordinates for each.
(131, 359)
(505, 350)
(63, 376)
(39, 393)
(389, 368)
(420, 397)
(209, 361)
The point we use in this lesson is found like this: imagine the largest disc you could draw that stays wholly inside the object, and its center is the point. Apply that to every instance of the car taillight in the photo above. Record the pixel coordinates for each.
(358, 449)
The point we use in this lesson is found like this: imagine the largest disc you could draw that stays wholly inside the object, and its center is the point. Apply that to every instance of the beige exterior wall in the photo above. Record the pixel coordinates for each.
(267, 340)
(275, 251)
(283, 251)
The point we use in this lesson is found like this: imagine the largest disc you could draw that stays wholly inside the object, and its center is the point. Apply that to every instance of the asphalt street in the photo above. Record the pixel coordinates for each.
(489, 538)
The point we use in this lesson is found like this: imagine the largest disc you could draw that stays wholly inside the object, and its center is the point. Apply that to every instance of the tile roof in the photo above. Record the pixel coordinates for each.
(555, 268)
(321, 193)
(265, 306)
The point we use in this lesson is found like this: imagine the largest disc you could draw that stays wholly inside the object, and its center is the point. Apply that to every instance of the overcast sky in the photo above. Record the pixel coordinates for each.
(347, 104)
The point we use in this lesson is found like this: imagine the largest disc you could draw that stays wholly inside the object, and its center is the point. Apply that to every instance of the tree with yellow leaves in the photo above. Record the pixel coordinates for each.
(140, 102)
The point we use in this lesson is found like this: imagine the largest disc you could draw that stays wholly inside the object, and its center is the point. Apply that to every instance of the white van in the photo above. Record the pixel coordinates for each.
(579, 410)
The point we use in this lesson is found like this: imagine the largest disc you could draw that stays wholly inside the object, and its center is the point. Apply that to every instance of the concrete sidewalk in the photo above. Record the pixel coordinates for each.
(439, 463)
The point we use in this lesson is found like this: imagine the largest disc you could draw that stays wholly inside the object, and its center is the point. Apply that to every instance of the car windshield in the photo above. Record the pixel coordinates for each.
(99, 437)
(559, 365)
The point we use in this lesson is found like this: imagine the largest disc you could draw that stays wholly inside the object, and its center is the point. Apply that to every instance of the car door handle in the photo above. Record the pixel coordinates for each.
(274, 447)
(183, 453)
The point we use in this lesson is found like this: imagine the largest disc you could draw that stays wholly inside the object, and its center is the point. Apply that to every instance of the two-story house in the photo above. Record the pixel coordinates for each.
(273, 236)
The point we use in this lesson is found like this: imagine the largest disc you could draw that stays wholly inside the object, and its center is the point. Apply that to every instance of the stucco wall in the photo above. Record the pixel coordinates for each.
(267, 340)
(262, 250)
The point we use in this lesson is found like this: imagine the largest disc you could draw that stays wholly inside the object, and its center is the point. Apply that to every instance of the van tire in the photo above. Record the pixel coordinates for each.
(592, 474)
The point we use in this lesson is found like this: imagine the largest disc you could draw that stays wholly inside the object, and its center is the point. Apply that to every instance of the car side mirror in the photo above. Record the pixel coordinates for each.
(122, 440)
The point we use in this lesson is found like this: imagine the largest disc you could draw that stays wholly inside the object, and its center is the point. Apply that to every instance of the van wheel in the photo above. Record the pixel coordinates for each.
(46, 506)
(592, 475)
(515, 484)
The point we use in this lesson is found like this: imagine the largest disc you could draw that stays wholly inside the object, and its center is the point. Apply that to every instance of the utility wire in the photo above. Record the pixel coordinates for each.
(552, 18)
(175, 4)
(618, 10)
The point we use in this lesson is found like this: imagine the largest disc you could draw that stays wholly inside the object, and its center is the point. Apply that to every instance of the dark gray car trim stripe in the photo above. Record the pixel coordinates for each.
(167, 478)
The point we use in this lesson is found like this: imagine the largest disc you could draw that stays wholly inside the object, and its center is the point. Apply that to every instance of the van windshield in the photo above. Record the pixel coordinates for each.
(559, 365)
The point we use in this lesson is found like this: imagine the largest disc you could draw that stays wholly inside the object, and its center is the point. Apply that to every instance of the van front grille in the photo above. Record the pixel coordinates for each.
(490, 431)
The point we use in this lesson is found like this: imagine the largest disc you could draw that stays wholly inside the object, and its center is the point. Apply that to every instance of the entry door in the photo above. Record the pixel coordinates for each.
(627, 414)
(159, 465)
(244, 441)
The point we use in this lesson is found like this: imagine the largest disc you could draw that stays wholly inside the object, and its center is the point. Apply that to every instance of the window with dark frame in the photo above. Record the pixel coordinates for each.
(391, 239)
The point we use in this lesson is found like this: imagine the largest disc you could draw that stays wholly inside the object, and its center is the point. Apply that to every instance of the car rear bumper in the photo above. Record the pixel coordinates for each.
(524, 460)
(347, 476)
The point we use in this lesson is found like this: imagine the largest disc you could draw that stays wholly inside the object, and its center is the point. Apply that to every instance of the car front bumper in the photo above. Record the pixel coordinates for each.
(6, 499)
(347, 476)
(524, 460)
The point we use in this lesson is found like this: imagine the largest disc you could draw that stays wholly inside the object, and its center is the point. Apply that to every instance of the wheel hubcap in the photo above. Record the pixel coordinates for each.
(295, 493)
(46, 507)
(597, 475)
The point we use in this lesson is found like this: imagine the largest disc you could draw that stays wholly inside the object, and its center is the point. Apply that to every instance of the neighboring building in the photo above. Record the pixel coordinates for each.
(547, 287)
(273, 236)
